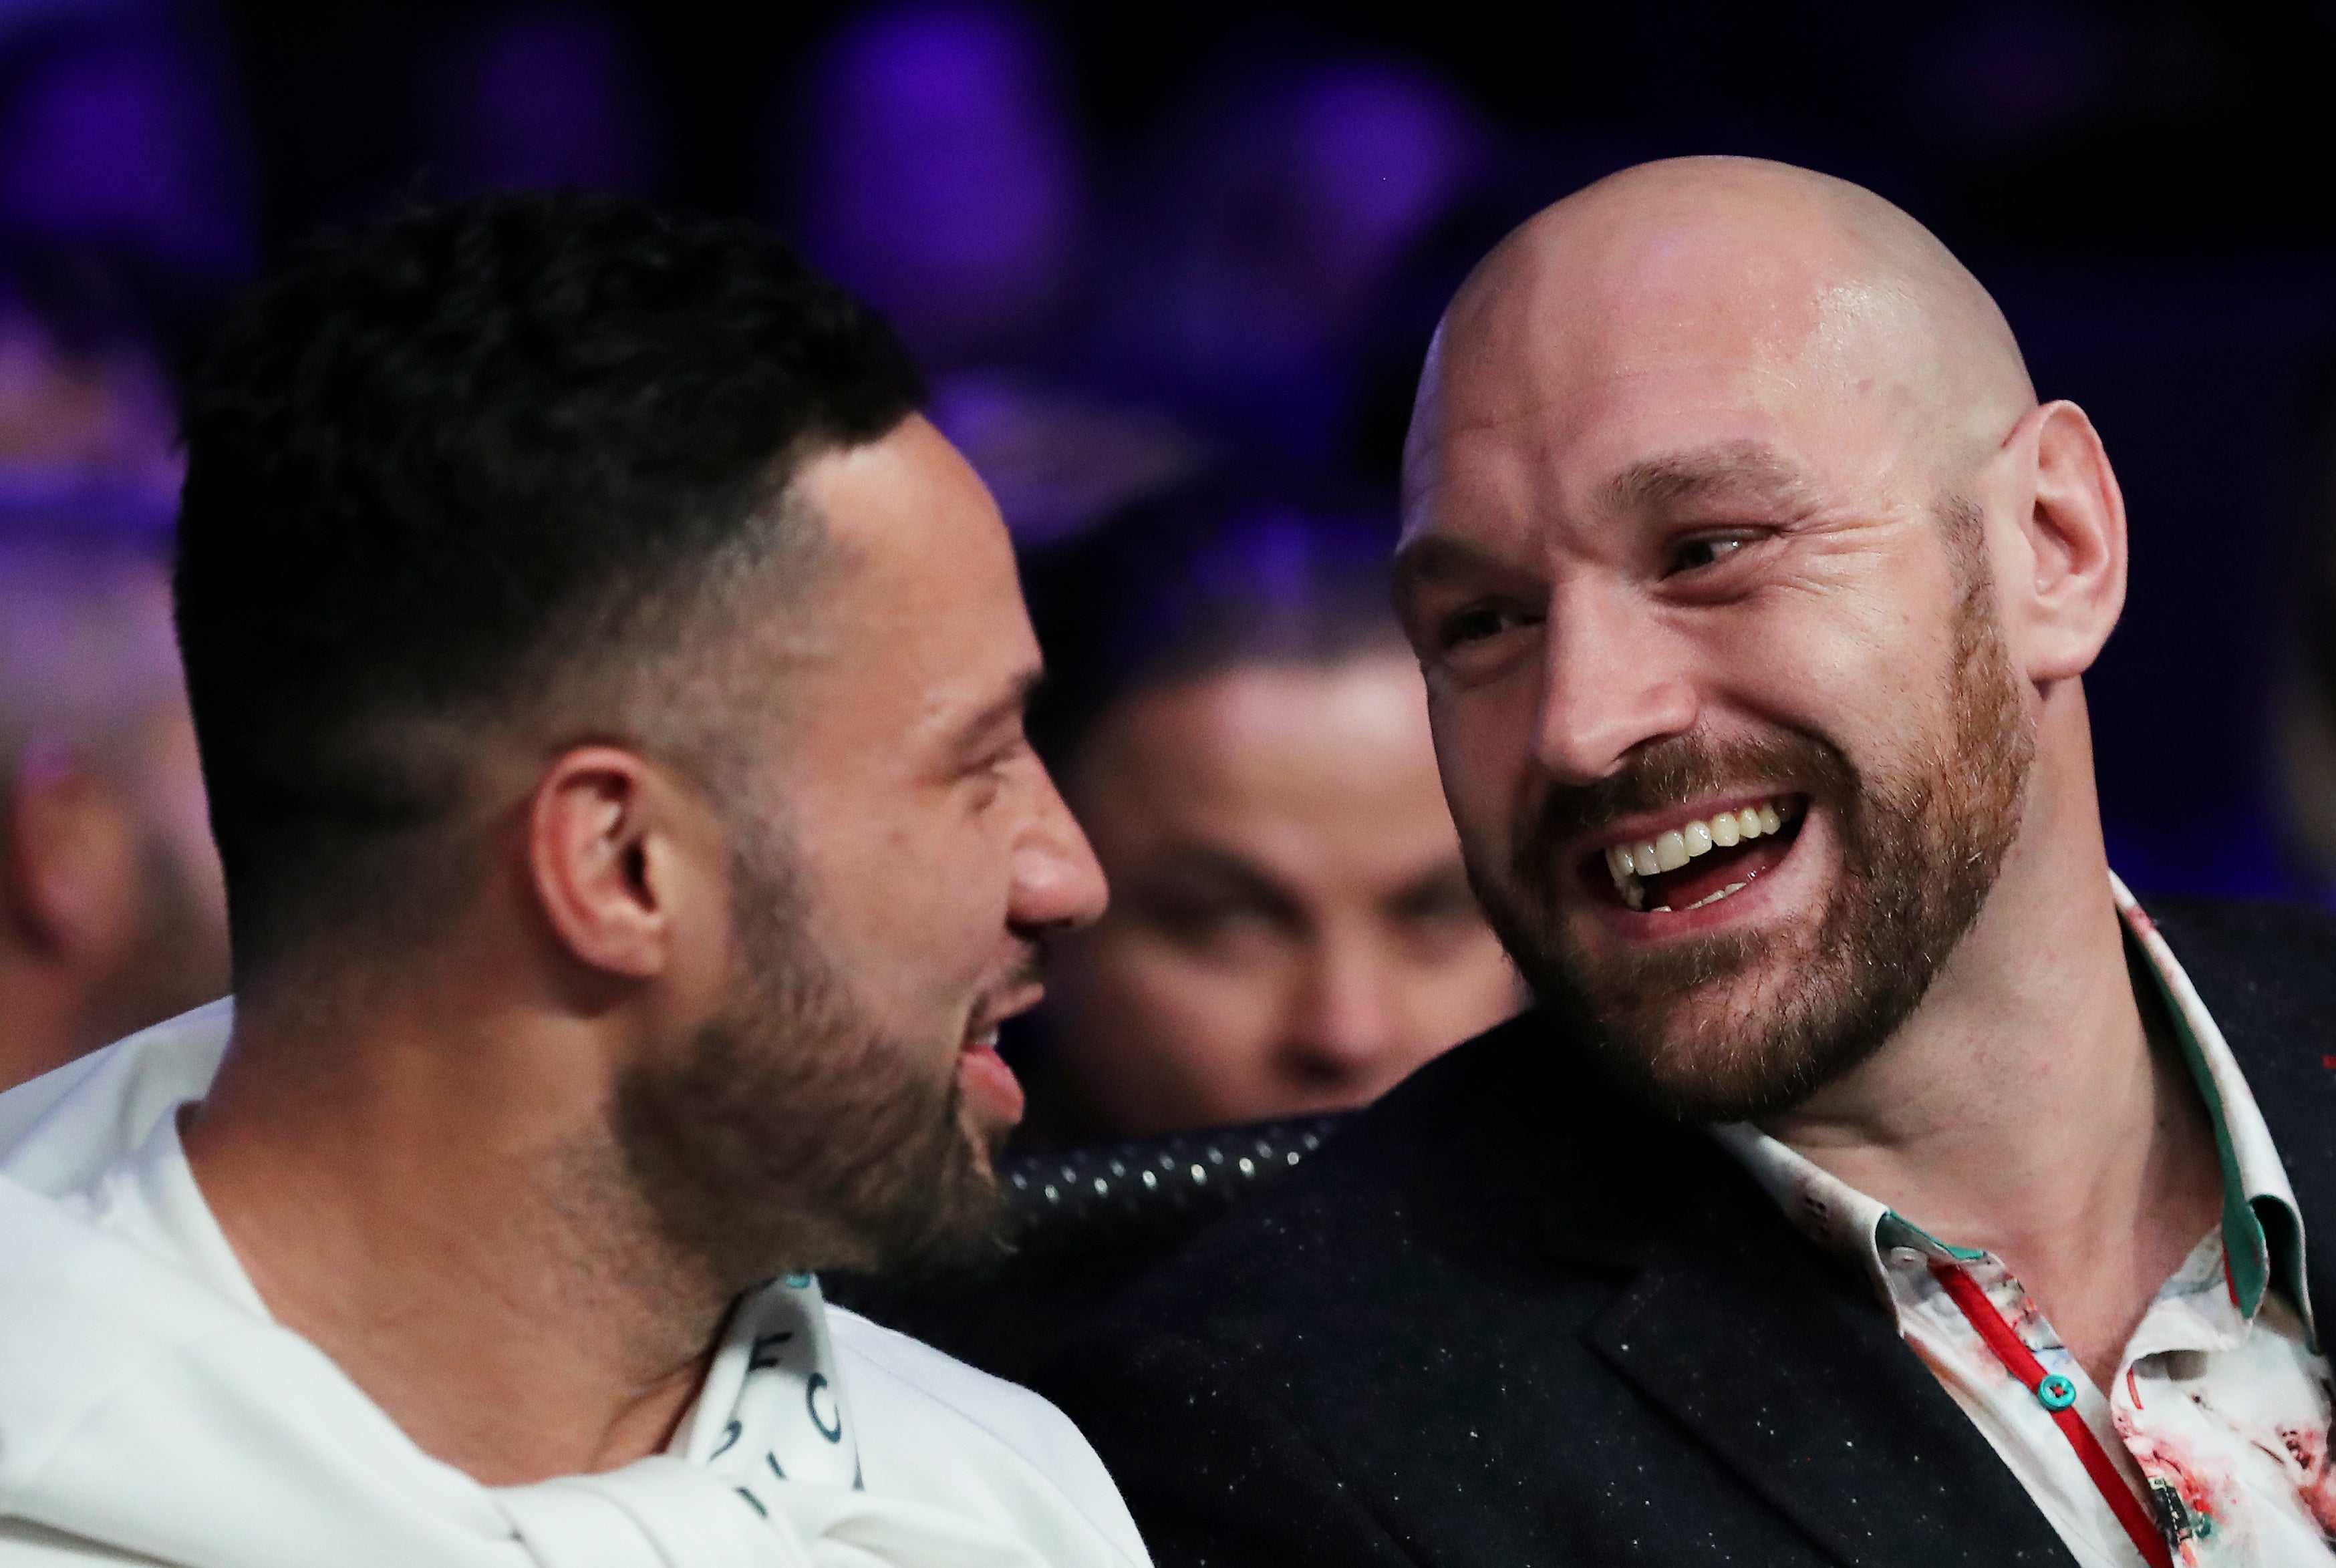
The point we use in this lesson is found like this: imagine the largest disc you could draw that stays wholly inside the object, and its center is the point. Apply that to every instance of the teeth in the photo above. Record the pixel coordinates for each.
(1667, 852)
(1715, 898)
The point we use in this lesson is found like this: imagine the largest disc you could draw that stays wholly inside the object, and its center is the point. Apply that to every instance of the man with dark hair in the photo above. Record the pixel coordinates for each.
(1241, 730)
(609, 692)
(1874, 1183)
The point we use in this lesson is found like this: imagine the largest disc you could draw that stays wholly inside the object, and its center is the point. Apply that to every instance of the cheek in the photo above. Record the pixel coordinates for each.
(1863, 670)
(919, 925)
(1462, 994)
(1158, 998)
(1483, 753)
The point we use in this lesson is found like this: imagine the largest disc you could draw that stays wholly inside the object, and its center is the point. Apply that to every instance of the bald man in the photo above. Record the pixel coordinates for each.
(1874, 1181)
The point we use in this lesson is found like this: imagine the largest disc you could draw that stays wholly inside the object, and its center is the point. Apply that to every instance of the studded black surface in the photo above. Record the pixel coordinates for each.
(1068, 1201)
(1085, 1223)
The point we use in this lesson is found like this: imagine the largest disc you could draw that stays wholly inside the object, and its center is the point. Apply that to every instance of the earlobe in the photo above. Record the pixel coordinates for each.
(2067, 599)
(593, 826)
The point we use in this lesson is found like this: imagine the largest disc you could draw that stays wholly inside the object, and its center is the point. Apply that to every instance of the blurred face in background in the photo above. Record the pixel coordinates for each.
(112, 909)
(1290, 929)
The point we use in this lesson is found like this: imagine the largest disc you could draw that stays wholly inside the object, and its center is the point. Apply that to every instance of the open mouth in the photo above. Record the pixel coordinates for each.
(1699, 863)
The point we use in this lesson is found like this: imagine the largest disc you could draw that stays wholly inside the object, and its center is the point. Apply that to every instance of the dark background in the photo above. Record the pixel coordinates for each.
(2144, 187)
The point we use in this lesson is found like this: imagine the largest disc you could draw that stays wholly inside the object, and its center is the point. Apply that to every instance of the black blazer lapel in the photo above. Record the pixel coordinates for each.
(2267, 974)
(1780, 1360)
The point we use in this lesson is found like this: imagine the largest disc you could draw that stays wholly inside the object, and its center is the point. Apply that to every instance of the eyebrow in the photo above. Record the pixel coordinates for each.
(1005, 708)
(1746, 468)
(1434, 558)
(1195, 866)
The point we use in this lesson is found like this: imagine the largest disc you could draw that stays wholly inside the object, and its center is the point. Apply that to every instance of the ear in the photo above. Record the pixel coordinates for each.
(617, 856)
(72, 867)
(2060, 573)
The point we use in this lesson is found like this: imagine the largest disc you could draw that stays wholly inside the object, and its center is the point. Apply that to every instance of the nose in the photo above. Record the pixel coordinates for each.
(1343, 1021)
(1611, 683)
(1058, 884)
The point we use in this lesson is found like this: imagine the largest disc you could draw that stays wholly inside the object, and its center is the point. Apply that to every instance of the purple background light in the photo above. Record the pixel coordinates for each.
(1136, 246)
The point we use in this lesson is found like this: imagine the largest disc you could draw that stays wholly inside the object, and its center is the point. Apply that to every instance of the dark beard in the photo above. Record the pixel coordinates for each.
(1922, 846)
(793, 1136)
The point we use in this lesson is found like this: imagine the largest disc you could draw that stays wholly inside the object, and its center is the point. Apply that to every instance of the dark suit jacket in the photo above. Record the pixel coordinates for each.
(1509, 1319)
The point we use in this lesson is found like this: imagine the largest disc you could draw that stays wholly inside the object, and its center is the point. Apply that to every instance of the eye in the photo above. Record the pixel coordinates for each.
(1480, 622)
(1697, 551)
(986, 776)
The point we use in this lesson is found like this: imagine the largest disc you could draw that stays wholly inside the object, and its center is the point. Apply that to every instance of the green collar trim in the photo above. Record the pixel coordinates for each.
(2246, 1238)
(2261, 1234)
(1894, 1229)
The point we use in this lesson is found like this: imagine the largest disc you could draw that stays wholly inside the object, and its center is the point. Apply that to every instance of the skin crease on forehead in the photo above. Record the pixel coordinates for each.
(1291, 929)
(1842, 376)
(1668, 276)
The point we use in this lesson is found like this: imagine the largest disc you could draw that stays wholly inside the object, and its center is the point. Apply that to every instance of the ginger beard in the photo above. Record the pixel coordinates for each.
(1740, 1025)
(794, 1133)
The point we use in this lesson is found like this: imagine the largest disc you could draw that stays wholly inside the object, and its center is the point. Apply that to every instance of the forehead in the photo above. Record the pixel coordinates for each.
(1336, 757)
(1272, 729)
(1557, 378)
(923, 620)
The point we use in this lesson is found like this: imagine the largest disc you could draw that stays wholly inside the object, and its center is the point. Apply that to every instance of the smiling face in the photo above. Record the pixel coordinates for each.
(896, 851)
(936, 839)
(1719, 693)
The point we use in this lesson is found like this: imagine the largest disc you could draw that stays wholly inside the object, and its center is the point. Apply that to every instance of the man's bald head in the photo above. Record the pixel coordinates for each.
(1793, 286)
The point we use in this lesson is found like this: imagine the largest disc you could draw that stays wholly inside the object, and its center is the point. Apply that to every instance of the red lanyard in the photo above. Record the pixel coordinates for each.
(2058, 1395)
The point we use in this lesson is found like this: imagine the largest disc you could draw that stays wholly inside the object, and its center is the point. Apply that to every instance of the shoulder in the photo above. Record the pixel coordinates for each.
(933, 1428)
(2286, 948)
(1506, 1151)
(900, 1384)
(1365, 1344)
(1498, 1199)
(25, 1545)
(61, 1129)
(2267, 974)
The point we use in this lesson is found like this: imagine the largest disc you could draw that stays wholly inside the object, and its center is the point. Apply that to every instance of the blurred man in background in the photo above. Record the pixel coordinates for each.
(114, 913)
(111, 911)
(1243, 735)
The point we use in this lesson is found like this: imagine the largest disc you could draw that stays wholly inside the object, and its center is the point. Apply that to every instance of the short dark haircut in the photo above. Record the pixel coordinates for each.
(447, 471)
(1248, 570)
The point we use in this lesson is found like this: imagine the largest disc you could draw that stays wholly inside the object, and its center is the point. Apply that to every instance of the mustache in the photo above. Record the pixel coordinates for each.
(1670, 773)
(1027, 970)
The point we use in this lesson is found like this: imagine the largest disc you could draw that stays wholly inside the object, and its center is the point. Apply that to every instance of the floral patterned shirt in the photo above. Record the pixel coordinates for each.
(2219, 1413)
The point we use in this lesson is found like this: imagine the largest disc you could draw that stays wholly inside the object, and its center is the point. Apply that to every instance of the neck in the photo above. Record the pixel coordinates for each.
(2034, 1104)
(432, 1204)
